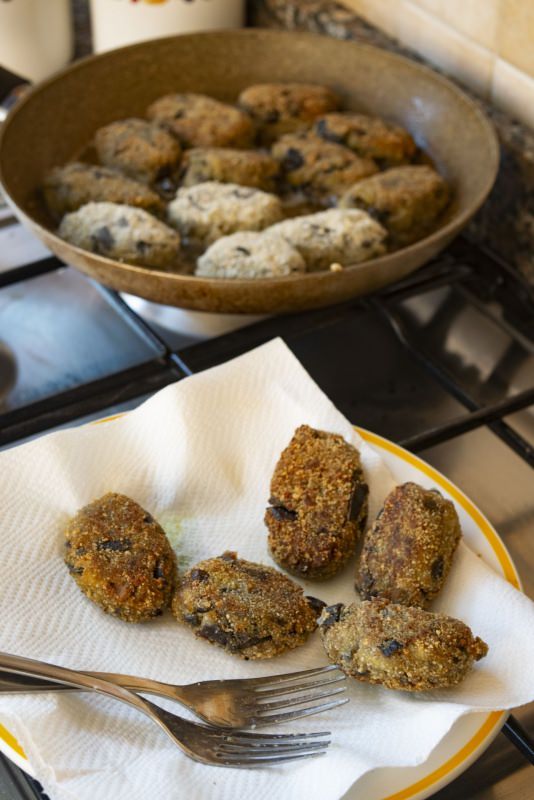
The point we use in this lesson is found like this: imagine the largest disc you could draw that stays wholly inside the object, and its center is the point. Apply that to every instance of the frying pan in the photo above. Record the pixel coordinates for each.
(55, 120)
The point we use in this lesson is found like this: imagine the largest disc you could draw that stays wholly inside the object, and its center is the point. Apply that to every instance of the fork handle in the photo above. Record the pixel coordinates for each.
(59, 676)
(174, 727)
(12, 683)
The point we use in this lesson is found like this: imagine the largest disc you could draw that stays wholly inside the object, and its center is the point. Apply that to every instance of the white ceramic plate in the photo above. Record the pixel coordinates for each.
(471, 734)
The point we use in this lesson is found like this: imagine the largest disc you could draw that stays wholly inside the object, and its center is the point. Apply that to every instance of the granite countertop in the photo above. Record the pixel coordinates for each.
(505, 223)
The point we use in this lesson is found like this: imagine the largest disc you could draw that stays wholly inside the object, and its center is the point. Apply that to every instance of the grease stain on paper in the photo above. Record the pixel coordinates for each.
(173, 525)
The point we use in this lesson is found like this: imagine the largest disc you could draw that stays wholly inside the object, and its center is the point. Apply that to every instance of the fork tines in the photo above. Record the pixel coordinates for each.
(303, 693)
(250, 750)
(285, 677)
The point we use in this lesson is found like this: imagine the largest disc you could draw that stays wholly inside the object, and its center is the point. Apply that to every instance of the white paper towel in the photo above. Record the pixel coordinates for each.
(199, 456)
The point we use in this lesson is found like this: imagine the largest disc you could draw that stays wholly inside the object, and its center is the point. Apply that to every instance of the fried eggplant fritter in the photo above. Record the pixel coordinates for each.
(399, 647)
(120, 558)
(407, 554)
(140, 149)
(318, 504)
(321, 169)
(122, 232)
(250, 255)
(279, 108)
(405, 200)
(249, 609)
(74, 185)
(209, 210)
(200, 121)
(227, 165)
(342, 236)
(369, 137)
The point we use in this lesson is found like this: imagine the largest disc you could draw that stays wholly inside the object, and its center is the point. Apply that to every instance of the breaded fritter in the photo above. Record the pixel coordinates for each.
(279, 108)
(343, 236)
(318, 504)
(369, 137)
(209, 210)
(200, 121)
(407, 554)
(74, 185)
(405, 200)
(226, 165)
(399, 647)
(120, 558)
(249, 609)
(123, 233)
(140, 149)
(322, 169)
(250, 255)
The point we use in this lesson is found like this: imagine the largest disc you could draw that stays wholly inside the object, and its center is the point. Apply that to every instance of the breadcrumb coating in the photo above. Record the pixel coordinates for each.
(408, 552)
(399, 647)
(318, 504)
(249, 609)
(120, 558)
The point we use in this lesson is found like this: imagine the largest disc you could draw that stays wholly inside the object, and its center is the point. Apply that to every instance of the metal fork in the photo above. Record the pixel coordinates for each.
(228, 703)
(214, 746)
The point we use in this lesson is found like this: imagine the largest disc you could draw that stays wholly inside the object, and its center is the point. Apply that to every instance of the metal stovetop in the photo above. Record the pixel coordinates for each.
(442, 363)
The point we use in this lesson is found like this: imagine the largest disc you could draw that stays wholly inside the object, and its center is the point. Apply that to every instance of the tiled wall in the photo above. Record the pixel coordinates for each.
(487, 44)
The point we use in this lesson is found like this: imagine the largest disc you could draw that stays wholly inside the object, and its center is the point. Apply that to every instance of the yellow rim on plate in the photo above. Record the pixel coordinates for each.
(10, 740)
(493, 720)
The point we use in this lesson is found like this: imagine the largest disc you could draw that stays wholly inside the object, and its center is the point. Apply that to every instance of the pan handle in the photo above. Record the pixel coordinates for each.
(11, 88)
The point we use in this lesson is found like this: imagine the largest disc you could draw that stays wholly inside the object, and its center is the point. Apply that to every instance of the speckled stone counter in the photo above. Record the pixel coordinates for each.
(505, 223)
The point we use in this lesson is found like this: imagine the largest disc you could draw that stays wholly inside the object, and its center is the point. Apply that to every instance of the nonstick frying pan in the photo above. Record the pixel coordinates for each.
(56, 119)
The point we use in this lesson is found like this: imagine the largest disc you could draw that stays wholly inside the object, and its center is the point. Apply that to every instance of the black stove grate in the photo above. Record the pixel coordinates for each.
(464, 267)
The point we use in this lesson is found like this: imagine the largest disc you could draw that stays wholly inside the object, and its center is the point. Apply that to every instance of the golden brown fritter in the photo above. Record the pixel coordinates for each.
(399, 647)
(120, 558)
(248, 609)
(319, 168)
(407, 554)
(74, 185)
(279, 108)
(370, 137)
(245, 167)
(318, 504)
(405, 200)
(200, 121)
(140, 149)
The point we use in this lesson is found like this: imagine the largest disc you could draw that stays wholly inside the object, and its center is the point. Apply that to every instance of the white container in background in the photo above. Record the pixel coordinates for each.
(35, 36)
(116, 23)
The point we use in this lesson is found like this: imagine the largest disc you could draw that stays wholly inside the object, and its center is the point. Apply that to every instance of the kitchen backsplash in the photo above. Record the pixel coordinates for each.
(486, 44)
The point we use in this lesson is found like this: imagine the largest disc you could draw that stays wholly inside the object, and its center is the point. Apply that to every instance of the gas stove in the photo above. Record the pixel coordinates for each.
(442, 363)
